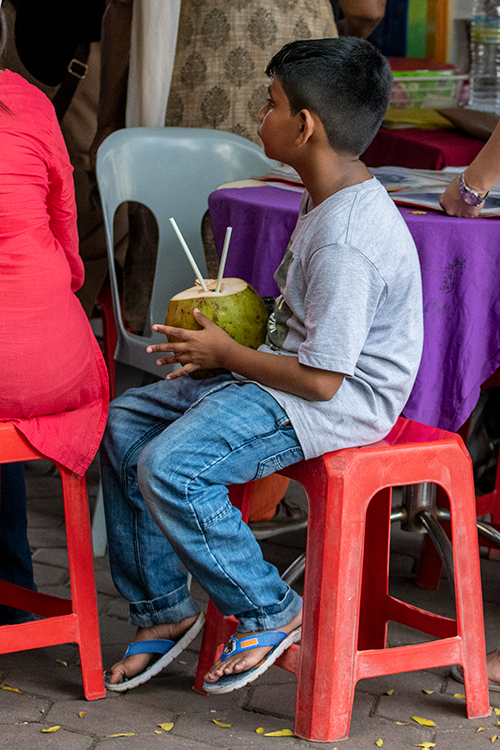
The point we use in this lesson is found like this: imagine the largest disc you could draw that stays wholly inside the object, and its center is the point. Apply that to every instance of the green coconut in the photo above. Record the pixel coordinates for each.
(237, 308)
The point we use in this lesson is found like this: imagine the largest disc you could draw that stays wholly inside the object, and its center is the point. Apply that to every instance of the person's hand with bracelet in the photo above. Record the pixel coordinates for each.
(460, 199)
(465, 195)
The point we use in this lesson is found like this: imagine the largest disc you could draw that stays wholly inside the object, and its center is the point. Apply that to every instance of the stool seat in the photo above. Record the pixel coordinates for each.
(66, 621)
(346, 601)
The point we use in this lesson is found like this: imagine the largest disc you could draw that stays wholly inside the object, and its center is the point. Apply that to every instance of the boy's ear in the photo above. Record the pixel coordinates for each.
(307, 126)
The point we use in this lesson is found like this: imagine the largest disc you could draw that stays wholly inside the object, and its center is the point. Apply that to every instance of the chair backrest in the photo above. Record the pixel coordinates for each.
(172, 171)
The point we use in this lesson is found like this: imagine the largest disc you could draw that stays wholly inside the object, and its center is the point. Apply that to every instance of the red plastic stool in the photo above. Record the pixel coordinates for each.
(67, 621)
(346, 601)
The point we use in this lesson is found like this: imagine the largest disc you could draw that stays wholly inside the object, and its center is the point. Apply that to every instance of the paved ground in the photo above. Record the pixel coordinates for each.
(51, 691)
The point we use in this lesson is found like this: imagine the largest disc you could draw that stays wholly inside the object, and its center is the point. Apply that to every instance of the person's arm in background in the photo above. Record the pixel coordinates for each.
(115, 54)
(481, 176)
(361, 17)
(61, 205)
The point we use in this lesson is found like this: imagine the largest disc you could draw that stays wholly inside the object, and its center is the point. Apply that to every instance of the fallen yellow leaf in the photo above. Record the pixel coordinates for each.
(81, 714)
(42, 710)
(280, 733)
(122, 734)
(167, 726)
(497, 711)
(480, 729)
(459, 695)
(11, 690)
(494, 738)
(158, 731)
(221, 724)
(379, 742)
(51, 729)
(402, 723)
(260, 730)
(496, 724)
(426, 745)
(389, 692)
(424, 722)
(428, 692)
(62, 662)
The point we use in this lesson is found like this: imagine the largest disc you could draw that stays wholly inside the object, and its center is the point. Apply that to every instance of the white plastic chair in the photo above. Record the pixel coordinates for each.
(172, 171)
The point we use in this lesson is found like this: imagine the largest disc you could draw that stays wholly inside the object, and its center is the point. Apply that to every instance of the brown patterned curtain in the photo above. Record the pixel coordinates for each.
(223, 47)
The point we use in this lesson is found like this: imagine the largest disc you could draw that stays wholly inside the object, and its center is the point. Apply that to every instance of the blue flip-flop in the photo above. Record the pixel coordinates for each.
(278, 639)
(168, 650)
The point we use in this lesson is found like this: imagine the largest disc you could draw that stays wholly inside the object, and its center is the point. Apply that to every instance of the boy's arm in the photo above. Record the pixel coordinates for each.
(212, 348)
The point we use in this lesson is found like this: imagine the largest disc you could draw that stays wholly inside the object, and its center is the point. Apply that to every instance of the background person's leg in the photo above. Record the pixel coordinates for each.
(15, 554)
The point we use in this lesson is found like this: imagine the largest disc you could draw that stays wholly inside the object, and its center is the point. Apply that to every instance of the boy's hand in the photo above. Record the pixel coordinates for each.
(198, 350)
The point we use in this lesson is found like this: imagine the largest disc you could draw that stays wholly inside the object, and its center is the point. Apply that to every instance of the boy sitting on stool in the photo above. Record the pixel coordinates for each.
(342, 352)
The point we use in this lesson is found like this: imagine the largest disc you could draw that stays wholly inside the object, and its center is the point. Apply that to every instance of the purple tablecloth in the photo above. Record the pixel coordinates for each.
(460, 262)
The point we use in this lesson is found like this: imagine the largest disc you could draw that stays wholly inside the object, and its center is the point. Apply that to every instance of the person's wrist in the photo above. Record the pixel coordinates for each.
(468, 191)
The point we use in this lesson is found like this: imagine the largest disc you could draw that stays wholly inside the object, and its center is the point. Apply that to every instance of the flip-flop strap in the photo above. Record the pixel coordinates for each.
(149, 647)
(237, 645)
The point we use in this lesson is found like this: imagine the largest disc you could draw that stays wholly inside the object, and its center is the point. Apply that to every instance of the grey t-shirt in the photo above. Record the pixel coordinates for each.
(351, 302)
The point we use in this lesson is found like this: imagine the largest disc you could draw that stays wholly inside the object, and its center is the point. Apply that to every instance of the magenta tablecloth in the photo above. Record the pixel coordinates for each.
(418, 148)
(460, 262)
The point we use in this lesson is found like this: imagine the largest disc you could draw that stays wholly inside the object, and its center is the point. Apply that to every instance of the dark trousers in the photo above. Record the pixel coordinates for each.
(15, 555)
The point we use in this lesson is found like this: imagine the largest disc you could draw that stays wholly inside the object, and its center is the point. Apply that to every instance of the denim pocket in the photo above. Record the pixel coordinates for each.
(279, 461)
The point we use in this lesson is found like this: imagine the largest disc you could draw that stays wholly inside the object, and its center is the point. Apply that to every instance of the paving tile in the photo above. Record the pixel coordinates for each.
(365, 731)
(51, 536)
(147, 740)
(104, 717)
(48, 575)
(443, 709)
(241, 733)
(115, 632)
(56, 556)
(403, 683)
(466, 738)
(30, 737)
(172, 689)
(119, 609)
(15, 708)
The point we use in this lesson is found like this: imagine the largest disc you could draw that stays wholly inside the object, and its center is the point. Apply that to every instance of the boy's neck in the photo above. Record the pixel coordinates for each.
(324, 174)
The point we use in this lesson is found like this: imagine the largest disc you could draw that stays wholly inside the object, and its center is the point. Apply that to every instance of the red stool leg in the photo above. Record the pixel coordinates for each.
(325, 684)
(470, 620)
(83, 594)
(216, 633)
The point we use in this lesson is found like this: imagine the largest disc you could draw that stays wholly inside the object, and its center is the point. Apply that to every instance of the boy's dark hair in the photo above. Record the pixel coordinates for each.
(346, 82)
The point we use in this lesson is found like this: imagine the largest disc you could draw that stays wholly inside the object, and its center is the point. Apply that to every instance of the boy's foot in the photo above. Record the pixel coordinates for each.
(249, 664)
(137, 668)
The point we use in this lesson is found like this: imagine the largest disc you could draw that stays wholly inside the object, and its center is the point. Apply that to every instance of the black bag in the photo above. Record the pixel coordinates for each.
(53, 41)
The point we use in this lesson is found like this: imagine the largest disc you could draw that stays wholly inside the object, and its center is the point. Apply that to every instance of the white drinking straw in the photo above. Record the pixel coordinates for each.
(223, 258)
(188, 254)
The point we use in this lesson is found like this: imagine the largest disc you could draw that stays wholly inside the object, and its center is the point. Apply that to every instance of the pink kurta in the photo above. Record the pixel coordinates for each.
(53, 380)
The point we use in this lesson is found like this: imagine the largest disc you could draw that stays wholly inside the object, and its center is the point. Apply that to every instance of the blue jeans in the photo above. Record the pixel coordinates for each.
(169, 453)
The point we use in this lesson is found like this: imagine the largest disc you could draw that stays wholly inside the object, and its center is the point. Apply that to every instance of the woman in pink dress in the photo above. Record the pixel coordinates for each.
(53, 380)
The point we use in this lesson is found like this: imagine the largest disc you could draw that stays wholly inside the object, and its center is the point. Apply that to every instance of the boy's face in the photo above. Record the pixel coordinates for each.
(276, 128)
